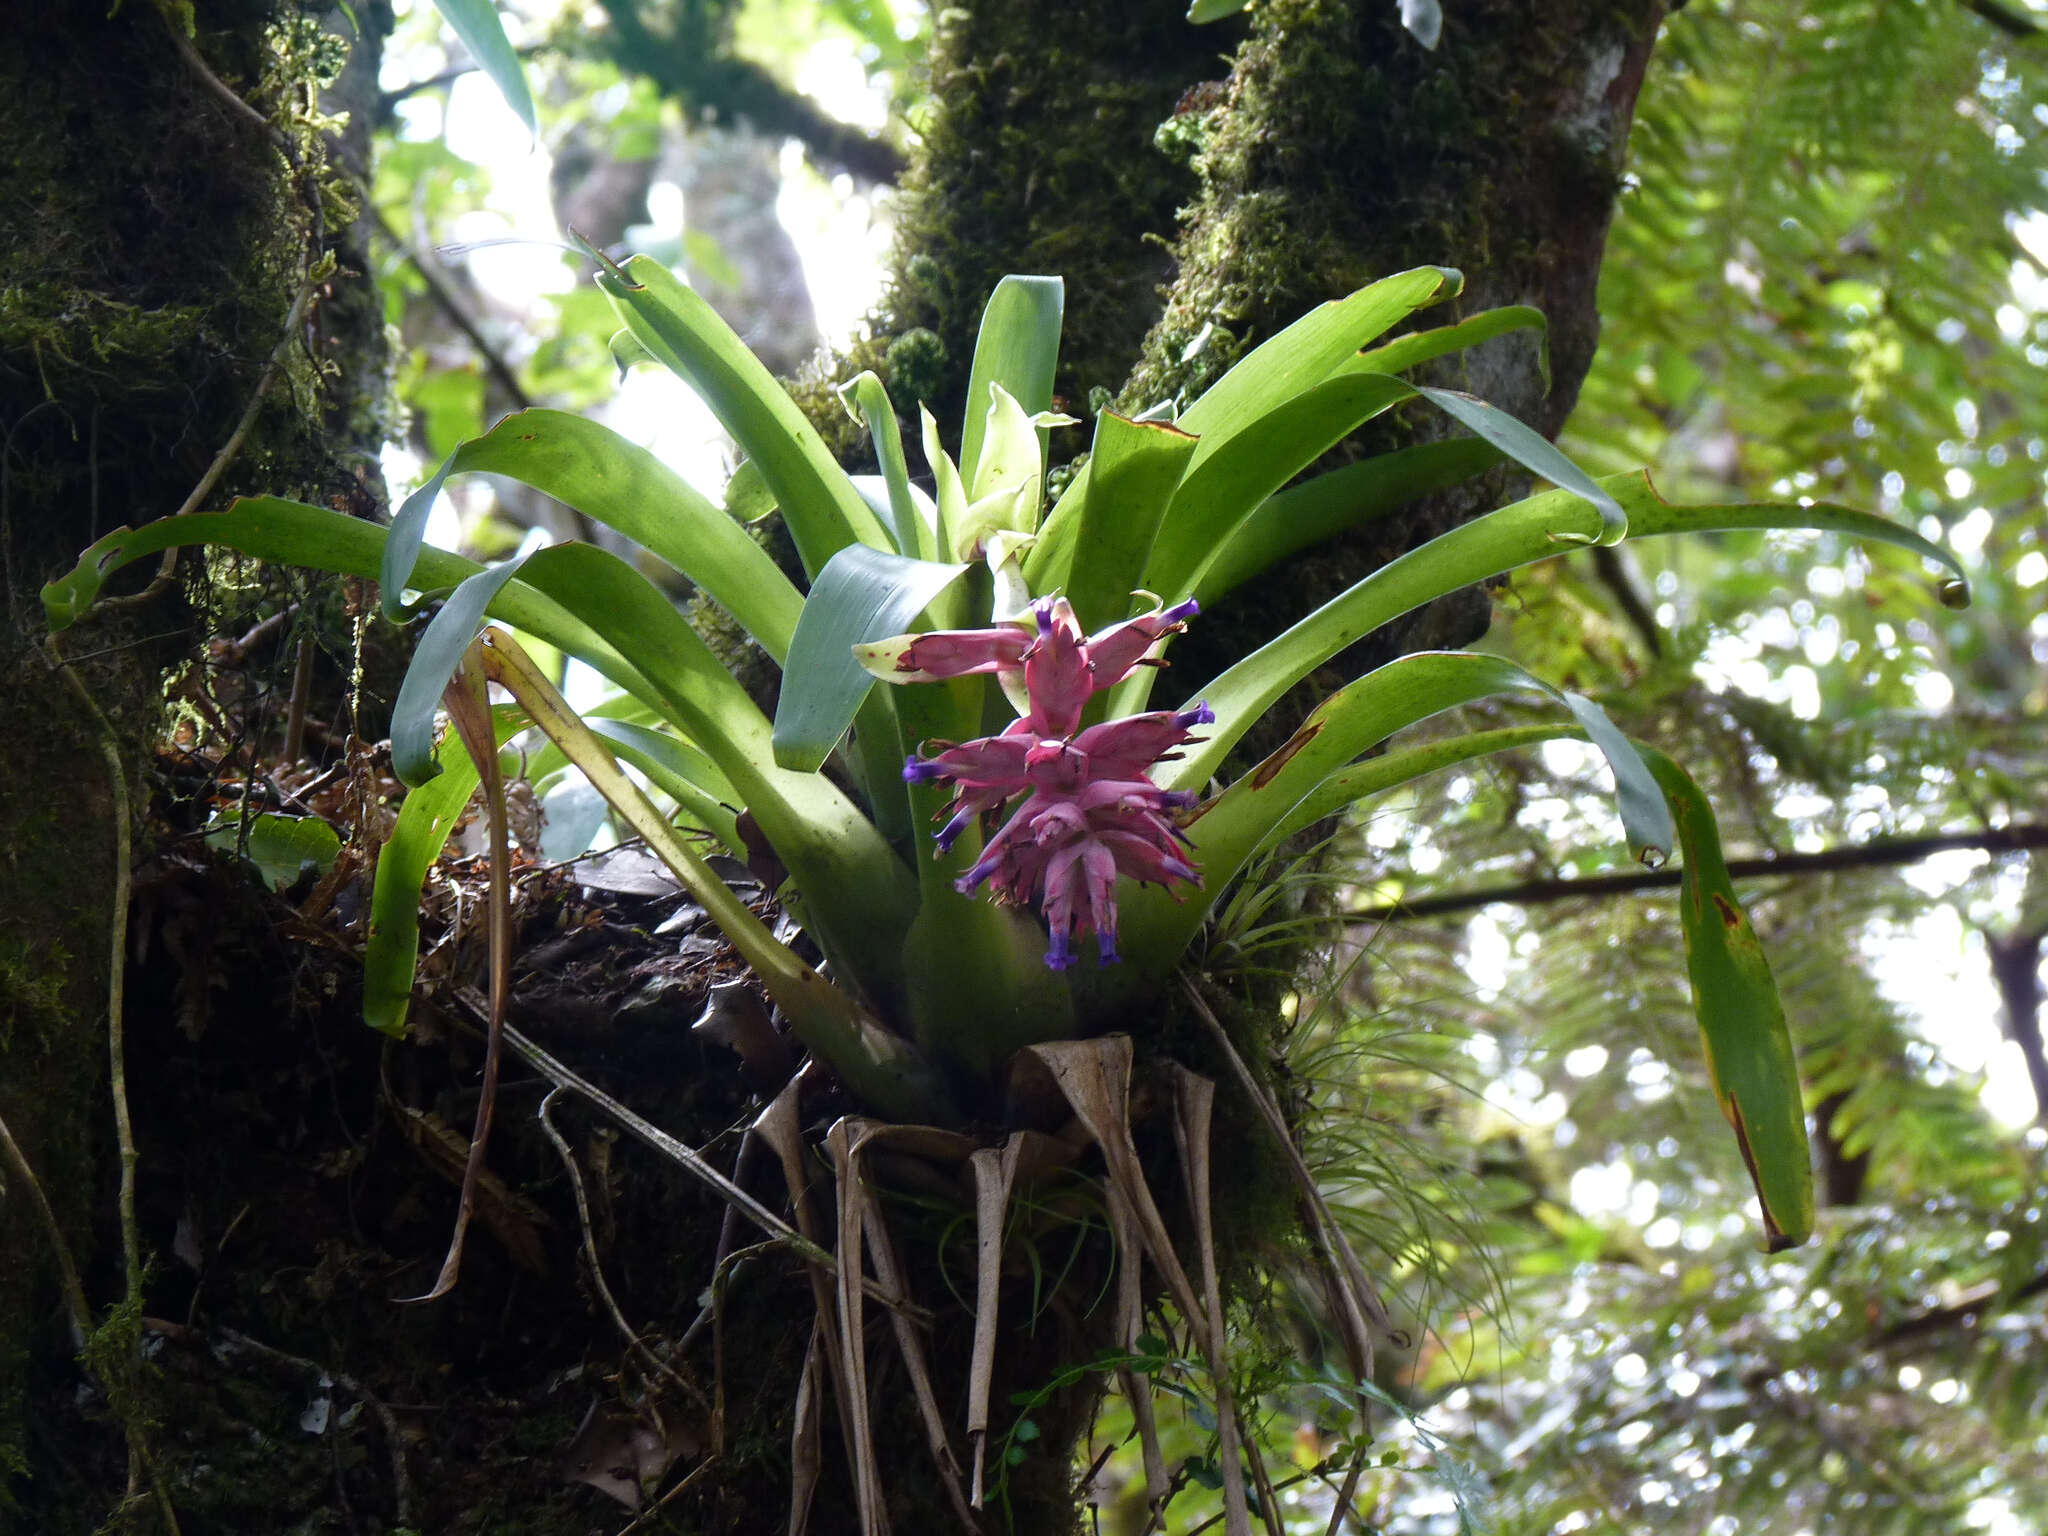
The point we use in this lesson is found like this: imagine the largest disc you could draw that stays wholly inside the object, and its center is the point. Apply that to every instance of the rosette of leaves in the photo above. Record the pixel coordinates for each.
(929, 989)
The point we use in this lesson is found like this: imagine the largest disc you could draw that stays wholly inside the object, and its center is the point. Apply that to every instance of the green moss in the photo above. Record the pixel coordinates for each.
(1340, 151)
(914, 367)
(31, 990)
(153, 248)
(1038, 156)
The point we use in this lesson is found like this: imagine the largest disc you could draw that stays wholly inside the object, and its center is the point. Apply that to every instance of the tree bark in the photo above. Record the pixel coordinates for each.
(157, 240)
(1340, 151)
(1039, 157)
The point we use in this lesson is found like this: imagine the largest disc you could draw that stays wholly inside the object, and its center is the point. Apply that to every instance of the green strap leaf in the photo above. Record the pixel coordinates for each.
(882, 1068)
(622, 485)
(1533, 451)
(862, 595)
(1310, 350)
(1405, 352)
(747, 497)
(1515, 535)
(1645, 817)
(1136, 466)
(1018, 347)
(679, 772)
(860, 896)
(1298, 358)
(823, 510)
(483, 34)
(408, 533)
(295, 533)
(1375, 776)
(857, 893)
(867, 401)
(1649, 513)
(1223, 487)
(433, 663)
(1742, 1020)
(425, 819)
(1228, 830)
(1307, 514)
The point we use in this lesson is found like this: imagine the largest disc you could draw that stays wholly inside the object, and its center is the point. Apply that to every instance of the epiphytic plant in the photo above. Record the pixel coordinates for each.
(1024, 644)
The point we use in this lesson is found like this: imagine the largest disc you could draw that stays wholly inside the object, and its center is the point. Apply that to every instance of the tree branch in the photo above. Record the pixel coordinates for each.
(1614, 575)
(1878, 854)
(1939, 1319)
(387, 100)
(446, 300)
(2009, 20)
(701, 77)
(2016, 967)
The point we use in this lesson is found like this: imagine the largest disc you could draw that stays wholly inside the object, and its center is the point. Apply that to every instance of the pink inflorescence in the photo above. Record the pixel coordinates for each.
(1092, 811)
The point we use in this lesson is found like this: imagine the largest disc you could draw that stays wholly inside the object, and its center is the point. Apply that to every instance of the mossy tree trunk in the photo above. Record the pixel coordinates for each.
(154, 243)
(1339, 151)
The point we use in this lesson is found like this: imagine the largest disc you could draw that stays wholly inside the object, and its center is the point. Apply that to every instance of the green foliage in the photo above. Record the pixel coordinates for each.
(281, 849)
(920, 953)
(1810, 290)
(483, 34)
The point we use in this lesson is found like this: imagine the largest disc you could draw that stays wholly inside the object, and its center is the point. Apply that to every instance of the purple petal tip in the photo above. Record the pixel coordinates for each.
(1058, 957)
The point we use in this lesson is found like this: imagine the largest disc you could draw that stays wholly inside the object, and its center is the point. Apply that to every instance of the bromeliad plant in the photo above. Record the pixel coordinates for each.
(1016, 652)
(1022, 649)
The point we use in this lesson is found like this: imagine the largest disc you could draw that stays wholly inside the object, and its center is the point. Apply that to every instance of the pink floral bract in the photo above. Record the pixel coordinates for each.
(1092, 812)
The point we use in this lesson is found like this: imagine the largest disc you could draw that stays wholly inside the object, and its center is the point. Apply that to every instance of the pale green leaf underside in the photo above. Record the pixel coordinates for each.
(483, 34)
(862, 595)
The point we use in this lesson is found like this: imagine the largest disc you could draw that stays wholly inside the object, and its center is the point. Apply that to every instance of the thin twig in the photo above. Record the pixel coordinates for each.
(1286, 1482)
(67, 1267)
(604, 1291)
(697, 77)
(219, 1248)
(685, 1157)
(1349, 1492)
(1358, 1301)
(301, 699)
(117, 1004)
(220, 90)
(2009, 19)
(389, 99)
(1876, 854)
(80, 1311)
(230, 448)
(117, 781)
(271, 368)
(662, 1503)
(388, 1421)
(457, 312)
(467, 700)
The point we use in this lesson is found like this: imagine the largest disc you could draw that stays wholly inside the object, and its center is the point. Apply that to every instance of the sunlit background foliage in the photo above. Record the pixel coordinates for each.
(1828, 279)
